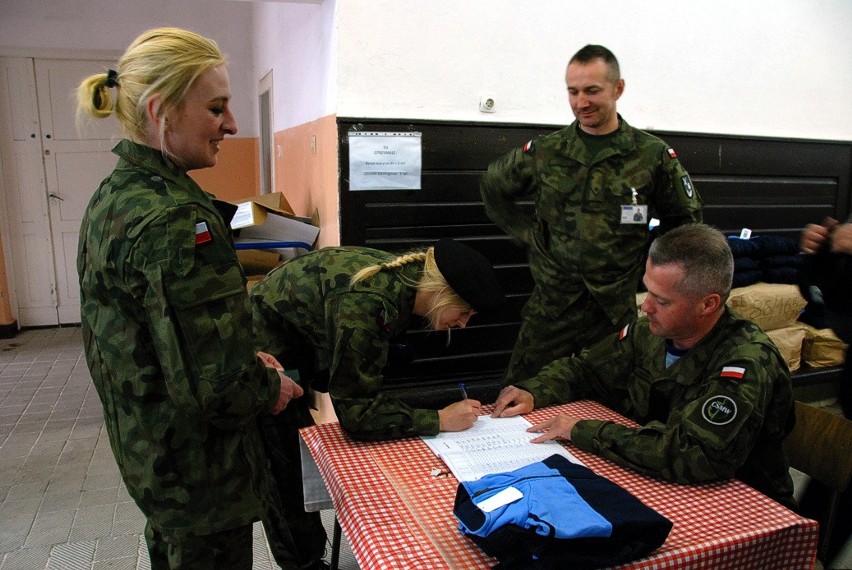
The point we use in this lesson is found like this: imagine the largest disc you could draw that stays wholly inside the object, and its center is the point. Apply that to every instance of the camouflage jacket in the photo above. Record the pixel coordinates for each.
(307, 309)
(575, 237)
(165, 315)
(720, 411)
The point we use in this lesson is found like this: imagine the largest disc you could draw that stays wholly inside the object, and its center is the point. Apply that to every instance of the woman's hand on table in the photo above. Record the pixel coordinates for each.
(460, 415)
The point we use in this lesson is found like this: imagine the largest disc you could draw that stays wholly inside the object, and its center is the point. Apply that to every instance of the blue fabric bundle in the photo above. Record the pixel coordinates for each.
(770, 259)
(567, 517)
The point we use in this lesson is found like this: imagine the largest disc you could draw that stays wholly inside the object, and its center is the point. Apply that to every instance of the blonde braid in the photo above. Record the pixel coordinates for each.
(431, 280)
(396, 263)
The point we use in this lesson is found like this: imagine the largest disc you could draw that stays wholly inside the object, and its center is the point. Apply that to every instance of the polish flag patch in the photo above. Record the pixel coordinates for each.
(527, 146)
(671, 152)
(202, 234)
(733, 372)
(623, 332)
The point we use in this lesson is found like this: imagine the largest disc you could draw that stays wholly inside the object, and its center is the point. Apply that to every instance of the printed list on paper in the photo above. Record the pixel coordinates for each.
(492, 445)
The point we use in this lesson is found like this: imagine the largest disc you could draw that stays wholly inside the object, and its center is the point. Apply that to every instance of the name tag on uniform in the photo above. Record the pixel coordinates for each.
(634, 214)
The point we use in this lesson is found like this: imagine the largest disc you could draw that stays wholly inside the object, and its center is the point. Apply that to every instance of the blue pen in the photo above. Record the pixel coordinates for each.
(463, 391)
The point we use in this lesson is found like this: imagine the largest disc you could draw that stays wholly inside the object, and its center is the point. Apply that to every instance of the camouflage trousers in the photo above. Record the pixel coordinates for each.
(287, 523)
(227, 550)
(550, 331)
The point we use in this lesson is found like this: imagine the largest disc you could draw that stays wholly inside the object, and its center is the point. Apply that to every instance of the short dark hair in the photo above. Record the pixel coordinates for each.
(591, 52)
(705, 255)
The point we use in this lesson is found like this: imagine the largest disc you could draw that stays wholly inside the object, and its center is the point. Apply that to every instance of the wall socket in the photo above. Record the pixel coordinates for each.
(487, 104)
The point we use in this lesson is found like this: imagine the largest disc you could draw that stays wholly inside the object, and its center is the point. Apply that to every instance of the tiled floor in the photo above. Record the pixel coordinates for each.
(62, 502)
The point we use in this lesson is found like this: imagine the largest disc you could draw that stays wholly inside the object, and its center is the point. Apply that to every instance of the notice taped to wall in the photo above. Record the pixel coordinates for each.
(384, 161)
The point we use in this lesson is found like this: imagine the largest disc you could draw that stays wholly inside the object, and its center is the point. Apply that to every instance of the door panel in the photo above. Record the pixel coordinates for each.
(55, 170)
(29, 259)
(75, 162)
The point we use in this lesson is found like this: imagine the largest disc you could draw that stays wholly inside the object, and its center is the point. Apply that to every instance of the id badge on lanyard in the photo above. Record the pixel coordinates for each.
(634, 213)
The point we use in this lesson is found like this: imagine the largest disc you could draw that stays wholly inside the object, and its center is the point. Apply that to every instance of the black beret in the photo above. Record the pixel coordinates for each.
(469, 274)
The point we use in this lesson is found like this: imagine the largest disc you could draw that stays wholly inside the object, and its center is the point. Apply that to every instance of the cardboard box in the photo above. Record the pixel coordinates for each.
(789, 341)
(258, 261)
(270, 218)
(252, 281)
(770, 305)
(823, 348)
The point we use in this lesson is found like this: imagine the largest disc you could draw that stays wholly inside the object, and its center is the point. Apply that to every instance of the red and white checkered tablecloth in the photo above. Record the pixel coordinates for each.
(397, 515)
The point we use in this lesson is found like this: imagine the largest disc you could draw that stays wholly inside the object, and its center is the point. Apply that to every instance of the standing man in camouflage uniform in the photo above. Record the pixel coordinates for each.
(165, 314)
(594, 186)
(710, 390)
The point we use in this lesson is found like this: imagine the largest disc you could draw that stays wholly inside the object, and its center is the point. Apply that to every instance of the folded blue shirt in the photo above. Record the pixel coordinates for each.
(568, 517)
(550, 505)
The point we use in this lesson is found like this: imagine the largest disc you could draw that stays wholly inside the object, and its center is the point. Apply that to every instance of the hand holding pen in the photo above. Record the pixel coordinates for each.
(460, 415)
(463, 390)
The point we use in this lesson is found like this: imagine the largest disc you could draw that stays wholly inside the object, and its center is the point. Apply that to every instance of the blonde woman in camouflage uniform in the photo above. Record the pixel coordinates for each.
(333, 315)
(708, 388)
(165, 314)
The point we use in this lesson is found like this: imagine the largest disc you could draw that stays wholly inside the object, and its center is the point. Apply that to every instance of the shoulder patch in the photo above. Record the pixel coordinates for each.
(623, 332)
(671, 152)
(719, 410)
(202, 233)
(528, 146)
(687, 185)
(736, 372)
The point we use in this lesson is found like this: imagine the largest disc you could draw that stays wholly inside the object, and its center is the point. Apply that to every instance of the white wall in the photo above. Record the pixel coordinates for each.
(72, 28)
(298, 42)
(752, 67)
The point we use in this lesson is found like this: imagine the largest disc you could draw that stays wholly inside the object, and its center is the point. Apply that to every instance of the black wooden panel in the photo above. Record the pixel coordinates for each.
(772, 186)
(434, 344)
(767, 190)
(763, 219)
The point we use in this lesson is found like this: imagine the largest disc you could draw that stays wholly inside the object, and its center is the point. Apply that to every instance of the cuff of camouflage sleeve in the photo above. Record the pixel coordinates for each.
(584, 434)
(426, 422)
(273, 386)
(541, 398)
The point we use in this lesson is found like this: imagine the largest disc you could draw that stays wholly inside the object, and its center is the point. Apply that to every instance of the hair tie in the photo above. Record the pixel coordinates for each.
(112, 78)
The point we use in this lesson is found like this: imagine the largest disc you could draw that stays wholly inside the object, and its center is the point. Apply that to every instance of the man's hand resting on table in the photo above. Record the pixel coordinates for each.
(512, 401)
(558, 427)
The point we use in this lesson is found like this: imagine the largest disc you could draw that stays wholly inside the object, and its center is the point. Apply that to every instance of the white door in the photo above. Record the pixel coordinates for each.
(51, 170)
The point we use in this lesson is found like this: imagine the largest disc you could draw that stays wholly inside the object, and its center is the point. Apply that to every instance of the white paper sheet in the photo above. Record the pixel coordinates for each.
(492, 445)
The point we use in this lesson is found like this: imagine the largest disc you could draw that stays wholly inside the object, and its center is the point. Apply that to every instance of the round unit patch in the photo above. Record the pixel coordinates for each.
(719, 410)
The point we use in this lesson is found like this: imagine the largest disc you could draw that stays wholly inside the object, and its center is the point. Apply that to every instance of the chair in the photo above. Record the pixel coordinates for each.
(820, 446)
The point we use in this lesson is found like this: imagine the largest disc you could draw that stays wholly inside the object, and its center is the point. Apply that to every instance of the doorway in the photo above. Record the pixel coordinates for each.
(50, 170)
(264, 99)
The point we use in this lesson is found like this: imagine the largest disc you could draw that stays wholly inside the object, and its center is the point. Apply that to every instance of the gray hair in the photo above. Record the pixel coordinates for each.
(704, 254)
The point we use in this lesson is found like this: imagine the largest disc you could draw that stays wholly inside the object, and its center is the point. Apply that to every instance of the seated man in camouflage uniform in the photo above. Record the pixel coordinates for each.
(710, 390)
